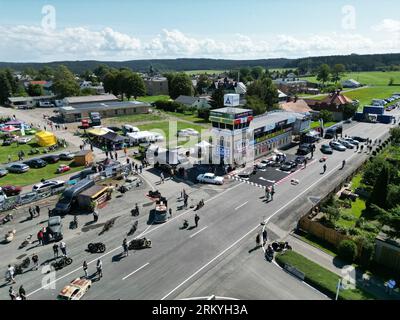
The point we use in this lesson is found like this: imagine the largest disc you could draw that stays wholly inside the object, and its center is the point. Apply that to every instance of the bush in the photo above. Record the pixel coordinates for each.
(370, 227)
(355, 232)
(348, 250)
(367, 252)
(348, 217)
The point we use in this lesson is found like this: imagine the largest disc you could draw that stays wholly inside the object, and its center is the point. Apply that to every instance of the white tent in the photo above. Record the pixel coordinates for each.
(144, 136)
(202, 144)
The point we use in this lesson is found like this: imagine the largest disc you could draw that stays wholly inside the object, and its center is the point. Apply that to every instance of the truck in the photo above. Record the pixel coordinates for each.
(385, 118)
(93, 120)
(373, 110)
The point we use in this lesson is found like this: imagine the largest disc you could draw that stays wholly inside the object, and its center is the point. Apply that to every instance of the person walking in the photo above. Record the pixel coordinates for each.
(99, 267)
(162, 177)
(85, 268)
(126, 152)
(125, 247)
(258, 240)
(37, 209)
(272, 192)
(343, 164)
(31, 214)
(356, 148)
(136, 168)
(35, 260)
(324, 168)
(22, 293)
(196, 219)
(63, 248)
(140, 168)
(170, 212)
(12, 294)
(9, 158)
(11, 273)
(55, 250)
(95, 216)
(305, 163)
(116, 155)
(264, 233)
(40, 237)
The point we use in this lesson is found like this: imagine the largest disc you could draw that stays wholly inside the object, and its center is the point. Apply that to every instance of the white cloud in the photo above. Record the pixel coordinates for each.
(388, 25)
(32, 43)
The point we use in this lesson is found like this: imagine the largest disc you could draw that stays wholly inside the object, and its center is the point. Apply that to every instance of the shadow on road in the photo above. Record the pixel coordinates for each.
(118, 257)
(255, 248)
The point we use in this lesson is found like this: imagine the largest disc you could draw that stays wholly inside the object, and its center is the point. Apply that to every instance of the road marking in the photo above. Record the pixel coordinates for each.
(142, 234)
(198, 232)
(241, 205)
(151, 185)
(251, 231)
(135, 271)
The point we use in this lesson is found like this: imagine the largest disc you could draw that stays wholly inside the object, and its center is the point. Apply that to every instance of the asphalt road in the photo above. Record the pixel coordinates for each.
(193, 262)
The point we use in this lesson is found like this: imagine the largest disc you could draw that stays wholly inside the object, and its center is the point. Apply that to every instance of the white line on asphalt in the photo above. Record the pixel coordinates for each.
(143, 233)
(151, 185)
(252, 230)
(136, 270)
(198, 232)
(241, 205)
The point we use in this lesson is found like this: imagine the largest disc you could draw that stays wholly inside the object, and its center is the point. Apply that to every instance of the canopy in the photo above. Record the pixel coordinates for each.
(112, 136)
(9, 129)
(45, 138)
(14, 123)
(97, 132)
(145, 135)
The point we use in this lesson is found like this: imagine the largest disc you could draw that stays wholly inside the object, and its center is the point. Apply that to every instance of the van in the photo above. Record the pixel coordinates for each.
(69, 196)
(332, 131)
(82, 175)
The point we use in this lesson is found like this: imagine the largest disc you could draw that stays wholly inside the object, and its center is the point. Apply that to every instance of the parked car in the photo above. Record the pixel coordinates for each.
(24, 140)
(66, 156)
(63, 168)
(51, 158)
(45, 185)
(17, 168)
(35, 163)
(347, 144)
(326, 149)
(288, 166)
(337, 146)
(264, 164)
(352, 141)
(300, 159)
(210, 178)
(304, 149)
(6, 142)
(10, 190)
(54, 229)
(3, 172)
(359, 139)
(75, 290)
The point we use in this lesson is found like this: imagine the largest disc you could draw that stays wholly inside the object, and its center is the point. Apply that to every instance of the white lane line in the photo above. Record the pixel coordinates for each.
(198, 232)
(252, 230)
(136, 270)
(241, 205)
(142, 234)
(151, 185)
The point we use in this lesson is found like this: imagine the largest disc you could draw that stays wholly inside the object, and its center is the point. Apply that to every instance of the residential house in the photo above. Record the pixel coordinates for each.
(291, 85)
(194, 102)
(156, 86)
(351, 83)
(90, 99)
(297, 106)
(88, 84)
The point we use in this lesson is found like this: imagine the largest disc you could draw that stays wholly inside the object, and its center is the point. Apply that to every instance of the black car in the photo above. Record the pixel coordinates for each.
(304, 149)
(6, 142)
(359, 139)
(288, 166)
(300, 159)
(51, 158)
(36, 163)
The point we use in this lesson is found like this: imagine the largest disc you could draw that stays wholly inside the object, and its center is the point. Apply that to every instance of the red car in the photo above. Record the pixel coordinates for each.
(11, 190)
(63, 168)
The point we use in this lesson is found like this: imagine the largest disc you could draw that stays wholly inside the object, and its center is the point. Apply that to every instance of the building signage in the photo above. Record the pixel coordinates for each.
(231, 100)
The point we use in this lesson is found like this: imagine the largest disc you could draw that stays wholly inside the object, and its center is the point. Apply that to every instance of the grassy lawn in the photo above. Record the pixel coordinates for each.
(366, 95)
(196, 72)
(372, 78)
(319, 243)
(150, 99)
(316, 124)
(35, 175)
(356, 181)
(133, 118)
(188, 116)
(319, 277)
(164, 127)
(356, 210)
(15, 148)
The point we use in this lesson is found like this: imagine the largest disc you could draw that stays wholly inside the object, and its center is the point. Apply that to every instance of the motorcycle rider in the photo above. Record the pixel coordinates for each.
(35, 260)
(343, 163)
(22, 293)
(125, 247)
(99, 267)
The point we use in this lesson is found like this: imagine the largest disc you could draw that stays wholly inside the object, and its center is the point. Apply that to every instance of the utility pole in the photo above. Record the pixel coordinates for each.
(338, 288)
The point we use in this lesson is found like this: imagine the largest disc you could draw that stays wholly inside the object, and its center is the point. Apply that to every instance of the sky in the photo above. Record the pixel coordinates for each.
(117, 30)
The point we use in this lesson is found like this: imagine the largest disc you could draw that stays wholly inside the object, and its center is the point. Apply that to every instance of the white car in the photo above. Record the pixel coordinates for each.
(192, 132)
(45, 185)
(183, 133)
(210, 178)
(23, 140)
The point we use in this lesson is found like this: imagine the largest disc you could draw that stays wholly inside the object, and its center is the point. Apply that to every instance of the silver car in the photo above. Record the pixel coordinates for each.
(17, 168)
(337, 146)
(347, 144)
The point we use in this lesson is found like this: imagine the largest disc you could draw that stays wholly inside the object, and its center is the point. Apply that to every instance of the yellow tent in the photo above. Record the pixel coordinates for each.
(45, 138)
(97, 132)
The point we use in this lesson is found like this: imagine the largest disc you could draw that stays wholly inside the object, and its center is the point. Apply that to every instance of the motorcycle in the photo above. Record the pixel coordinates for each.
(97, 247)
(26, 242)
(7, 218)
(185, 224)
(63, 262)
(269, 254)
(281, 246)
(200, 205)
(19, 268)
(135, 211)
(139, 244)
(154, 194)
(133, 228)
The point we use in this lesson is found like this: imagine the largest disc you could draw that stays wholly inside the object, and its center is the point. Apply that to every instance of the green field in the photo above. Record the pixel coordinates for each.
(188, 116)
(150, 99)
(196, 72)
(365, 95)
(133, 118)
(35, 175)
(371, 78)
(316, 124)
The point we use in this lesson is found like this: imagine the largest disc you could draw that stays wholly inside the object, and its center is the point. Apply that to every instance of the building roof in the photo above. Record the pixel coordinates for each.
(336, 98)
(90, 99)
(230, 110)
(93, 107)
(271, 118)
(26, 99)
(299, 106)
(281, 94)
(40, 82)
(186, 100)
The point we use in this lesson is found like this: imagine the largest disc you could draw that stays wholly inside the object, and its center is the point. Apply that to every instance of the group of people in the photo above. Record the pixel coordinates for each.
(264, 235)
(34, 212)
(99, 268)
(62, 246)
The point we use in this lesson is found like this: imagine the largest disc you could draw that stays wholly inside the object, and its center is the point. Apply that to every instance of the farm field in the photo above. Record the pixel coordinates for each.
(196, 72)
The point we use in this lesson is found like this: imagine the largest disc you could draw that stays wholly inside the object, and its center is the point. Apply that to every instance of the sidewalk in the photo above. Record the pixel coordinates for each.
(376, 285)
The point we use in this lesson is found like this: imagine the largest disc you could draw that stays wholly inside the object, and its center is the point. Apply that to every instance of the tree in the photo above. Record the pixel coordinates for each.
(265, 90)
(45, 73)
(181, 85)
(391, 81)
(135, 86)
(101, 70)
(347, 250)
(88, 92)
(380, 191)
(11, 80)
(395, 134)
(256, 104)
(337, 72)
(217, 98)
(257, 72)
(35, 90)
(325, 115)
(372, 170)
(5, 88)
(349, 110)
(333, 214)
(245, 73)
(393, 195)
(110, 82)
(65, 84)
(323, 73)
(202, 83)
